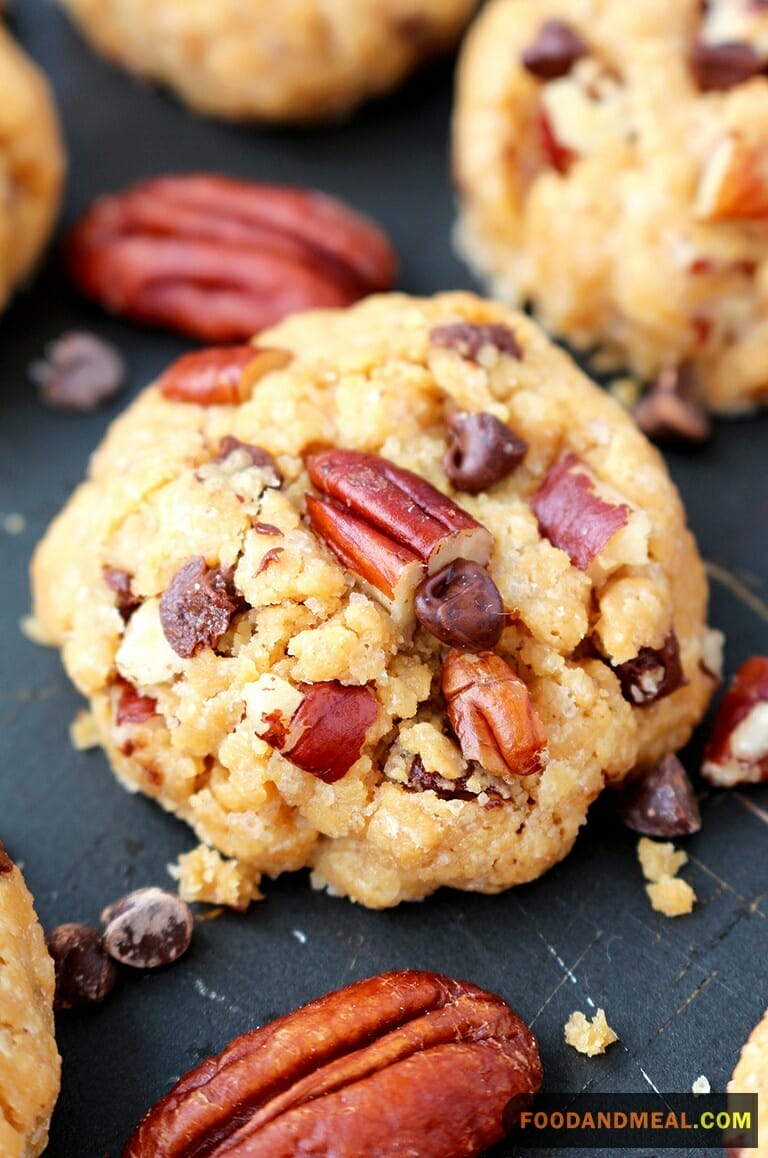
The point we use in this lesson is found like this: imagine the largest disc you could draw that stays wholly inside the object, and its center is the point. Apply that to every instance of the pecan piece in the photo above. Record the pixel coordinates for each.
(197, 607)
(221, 376)
(221, 259)
(652, 674)
(415, 1046)
(573, 515)
(553, 152)
(491, 713)
(734, 183)
(6, 864)
(461, 606)
(320, 727)
(737, 752)
(663, 803)
(554, 51)
(481, 451)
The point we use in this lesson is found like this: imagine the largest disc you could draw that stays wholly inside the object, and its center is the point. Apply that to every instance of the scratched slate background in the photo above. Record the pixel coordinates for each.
(682, 994)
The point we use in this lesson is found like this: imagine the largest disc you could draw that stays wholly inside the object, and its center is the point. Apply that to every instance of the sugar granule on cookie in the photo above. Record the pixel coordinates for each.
(661, 862)
(204, 875)
(390, 595)
(589, 1036)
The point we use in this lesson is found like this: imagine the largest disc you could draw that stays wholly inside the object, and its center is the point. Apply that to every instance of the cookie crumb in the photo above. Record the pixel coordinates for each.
(660, 862)
(671, 896)
(701, 1085)
(14, 523)
(35, 632)
(204, 875)
(589, 1037)
(626, 391)
(84, 732)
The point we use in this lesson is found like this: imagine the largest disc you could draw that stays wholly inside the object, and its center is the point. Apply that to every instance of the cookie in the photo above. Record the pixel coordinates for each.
(751, 1077)
(394, 602)
(29, 1061)
(610, 159)
(300, 60)
(31, 165)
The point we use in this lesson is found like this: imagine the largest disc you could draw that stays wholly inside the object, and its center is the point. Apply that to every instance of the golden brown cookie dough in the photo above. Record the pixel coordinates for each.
(29, 1061)
(611, 165)
(179, 531)
(751, 1077)
(299, 60)
(31, 165)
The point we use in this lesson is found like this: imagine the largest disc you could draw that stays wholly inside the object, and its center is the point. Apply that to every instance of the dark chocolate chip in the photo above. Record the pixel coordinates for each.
(481, 451)
(197, 607)
(652, 674)
(420, 780)
(468, 340)
(461, 606)
(663, 803)
(555, 50)
(718, 67)
(120, 582)
(258, 456)
(147, 928)
(132, 706)
(80, 370)
(671, 410)
(84, 972)
(6, 864)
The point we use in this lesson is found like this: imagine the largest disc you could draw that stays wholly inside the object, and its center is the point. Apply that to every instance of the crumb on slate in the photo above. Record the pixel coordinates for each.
(204, 875)
(83, 731)
(589, 1037)
(660, 862)
(701, 1085)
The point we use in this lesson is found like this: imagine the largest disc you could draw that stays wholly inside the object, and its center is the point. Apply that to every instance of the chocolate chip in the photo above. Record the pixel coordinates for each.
(197, 607)
(420, 780)
(120, 582)
(670, 410)
(84, 972)
(258, 456)
(6, 864)
(468, 340)
(461, 606)
(717, 67)
(147, 928)
(652, 674)
(663, 803)
(555, 50)
(133, 707)
(79, 372)
(481, 451)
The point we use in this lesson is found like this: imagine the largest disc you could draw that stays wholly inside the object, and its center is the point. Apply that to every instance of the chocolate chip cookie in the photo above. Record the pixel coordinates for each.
(299, 60)
(31, 165)
(611, 162)
(29, 1061)
(392, 594)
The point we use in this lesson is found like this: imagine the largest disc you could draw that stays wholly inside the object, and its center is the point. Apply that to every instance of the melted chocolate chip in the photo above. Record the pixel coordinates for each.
(6, 864)
(461, 606)
(79, 371)
(468, 340)
(84, 972)
(718, 67)
(258, 456)
(652, 674)
(147, 928)
(671, 409)
(197, 607)
(555, 50)
(481, 451)
(120, 582)
(663, 803)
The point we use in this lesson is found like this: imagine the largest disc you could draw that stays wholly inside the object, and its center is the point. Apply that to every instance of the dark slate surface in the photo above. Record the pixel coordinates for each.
(682, 994)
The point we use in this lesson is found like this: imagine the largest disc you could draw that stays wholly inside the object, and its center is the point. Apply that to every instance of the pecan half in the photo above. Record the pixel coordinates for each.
(6, 864)
(221, 376)
(663, 803)
(573, 515)
(491, 713)
(389, 525)
(133, 707)
(431, 1060)
(554, 51)
(737, 752)
(652, 674)
(481, 451)
(221, 259)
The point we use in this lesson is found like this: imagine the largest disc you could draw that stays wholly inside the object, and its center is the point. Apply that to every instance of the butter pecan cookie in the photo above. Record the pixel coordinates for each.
(751, 1077)
(29, 1061)
(299, 60)
(611, 161)
(31, 165)
(392, 594)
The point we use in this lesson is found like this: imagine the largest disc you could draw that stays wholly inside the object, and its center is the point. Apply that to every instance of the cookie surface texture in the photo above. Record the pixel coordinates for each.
(611, 163)
(299, 60)
(751, 1077)
(31, 165)
(198, 609)
(29, 1061)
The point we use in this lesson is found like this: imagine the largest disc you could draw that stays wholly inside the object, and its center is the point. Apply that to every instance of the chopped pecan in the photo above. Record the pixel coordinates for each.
(734, 183)
(671, 410)
(491, 713)
(737, 752)
(717, 67)
(441, 1058)
(461, 606)
(197, 607)
(220, 376)
(468, 339)
(553, 152)
(663, 803)
(221, 259)
(652, 674)
(6, 864)
(481, 451)
(573, 515)
(554, 51)
(132, 706)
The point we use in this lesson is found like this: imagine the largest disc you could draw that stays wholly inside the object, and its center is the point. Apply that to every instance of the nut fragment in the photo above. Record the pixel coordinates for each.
(554, 51)
(481, 451)
(670, 408)
(737, 752)
(6, 864)
(652, 674)
(221, 259)
(221, 376)
(469, 340)
(84, 972)
(492, 715)
(147, 928)
(197, 606)
(461, 606)
(79, 372)
(415, 1046)
(573, 515)
(553, 152)
(663, 803)
(734, 183)
(718, 67)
